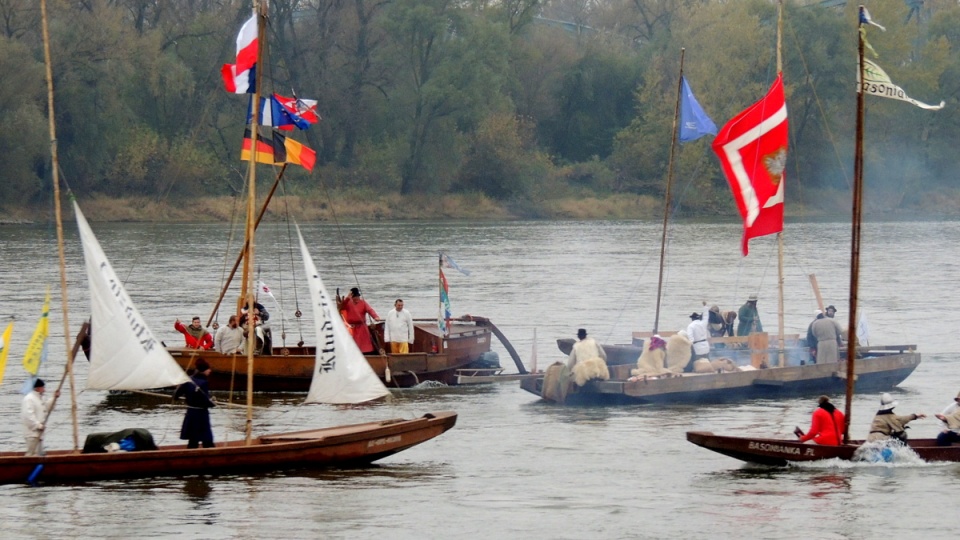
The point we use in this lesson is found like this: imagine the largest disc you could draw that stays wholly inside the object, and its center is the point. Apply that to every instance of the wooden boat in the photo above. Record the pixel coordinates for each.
(879, 369)
(341, 446)
(777, 371)
(133, 359)
(781, 452)
(432, 357)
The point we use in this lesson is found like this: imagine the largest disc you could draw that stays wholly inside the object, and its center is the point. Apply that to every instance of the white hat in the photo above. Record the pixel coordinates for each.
(886, 402)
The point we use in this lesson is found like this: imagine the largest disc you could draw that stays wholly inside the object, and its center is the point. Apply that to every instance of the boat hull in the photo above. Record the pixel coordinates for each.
(290, 369)
(350, 445)
(874, 374)
(777, 452)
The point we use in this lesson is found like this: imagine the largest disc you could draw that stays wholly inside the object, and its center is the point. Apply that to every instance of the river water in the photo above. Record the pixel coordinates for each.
(512, 467)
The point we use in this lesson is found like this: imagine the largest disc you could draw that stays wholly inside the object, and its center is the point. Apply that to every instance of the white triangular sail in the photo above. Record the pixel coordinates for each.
(341, 373)
(124, 354)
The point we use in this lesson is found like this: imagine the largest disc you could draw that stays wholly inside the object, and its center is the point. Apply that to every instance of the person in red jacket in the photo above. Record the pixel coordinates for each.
(195, 335)
(826, 426)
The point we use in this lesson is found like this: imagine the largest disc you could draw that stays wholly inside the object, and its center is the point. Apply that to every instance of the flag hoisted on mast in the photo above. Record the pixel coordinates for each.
(752, 148)
(694, 121)
(239, 78)
(37, 347)
(443, 320)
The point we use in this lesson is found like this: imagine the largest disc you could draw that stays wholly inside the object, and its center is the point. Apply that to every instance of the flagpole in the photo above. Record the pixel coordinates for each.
(440, 292)
(247, 285)
(857, 212)
(781, 360)
(666, 197)
(55, 165)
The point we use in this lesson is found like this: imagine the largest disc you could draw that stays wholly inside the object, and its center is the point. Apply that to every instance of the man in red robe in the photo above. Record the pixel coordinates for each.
(355, 311)
(195, 335)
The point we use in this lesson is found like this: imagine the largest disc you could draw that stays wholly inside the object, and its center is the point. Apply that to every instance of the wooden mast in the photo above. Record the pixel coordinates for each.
(249, 243)
(781, 361)
(857, 212)
(55, 164)
(666, 196)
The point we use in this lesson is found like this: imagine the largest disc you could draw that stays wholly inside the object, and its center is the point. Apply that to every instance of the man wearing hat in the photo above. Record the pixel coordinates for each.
(196, 428)
(33, 412)
(355, 310)
(887, 425)
(749, 317)
(830, 311)
(698, 334)
(828, 336)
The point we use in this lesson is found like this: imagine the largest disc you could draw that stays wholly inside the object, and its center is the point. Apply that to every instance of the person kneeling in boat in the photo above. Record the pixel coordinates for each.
(887, 425)
(951, 417)
(825, 425)
(587, 359)
(196, 428)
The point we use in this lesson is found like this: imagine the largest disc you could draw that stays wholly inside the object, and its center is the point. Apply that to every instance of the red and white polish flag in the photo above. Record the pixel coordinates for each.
(239, 78)
(752, 148)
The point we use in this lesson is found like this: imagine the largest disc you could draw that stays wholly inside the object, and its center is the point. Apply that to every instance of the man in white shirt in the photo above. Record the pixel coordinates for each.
(398, 329)
(230, 337)
(33, 412)
(699, 334)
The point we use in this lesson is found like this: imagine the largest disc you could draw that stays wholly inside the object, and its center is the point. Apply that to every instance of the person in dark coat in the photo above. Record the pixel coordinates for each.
(196, 428)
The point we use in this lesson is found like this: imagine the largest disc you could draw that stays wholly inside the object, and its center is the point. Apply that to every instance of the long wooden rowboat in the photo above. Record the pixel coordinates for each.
(349, 445)
(779, 452)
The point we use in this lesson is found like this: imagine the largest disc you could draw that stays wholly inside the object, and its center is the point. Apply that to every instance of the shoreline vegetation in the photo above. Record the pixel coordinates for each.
(357, 207)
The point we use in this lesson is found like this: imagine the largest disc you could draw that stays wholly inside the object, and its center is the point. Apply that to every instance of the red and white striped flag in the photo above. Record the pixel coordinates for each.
(239, 78)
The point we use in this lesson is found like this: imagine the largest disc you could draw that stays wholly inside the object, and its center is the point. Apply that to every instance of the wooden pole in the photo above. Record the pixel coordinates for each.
(855, 238)
(816, 290)
(781, 357)
(243, 250)
(666, 196)
(247, 287)
(55, 165)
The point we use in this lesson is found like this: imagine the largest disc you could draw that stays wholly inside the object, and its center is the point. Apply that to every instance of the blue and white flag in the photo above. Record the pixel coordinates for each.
(694, 122)
(447, 262)
(865, 18)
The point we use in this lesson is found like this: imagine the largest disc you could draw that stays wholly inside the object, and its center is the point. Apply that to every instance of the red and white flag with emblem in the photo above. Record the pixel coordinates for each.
(753, 152)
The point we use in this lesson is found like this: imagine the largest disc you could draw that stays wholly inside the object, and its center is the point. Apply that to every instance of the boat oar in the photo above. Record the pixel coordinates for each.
(165, 396)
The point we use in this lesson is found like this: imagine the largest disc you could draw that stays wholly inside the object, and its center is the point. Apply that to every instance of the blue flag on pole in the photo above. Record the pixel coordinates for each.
(694, 123)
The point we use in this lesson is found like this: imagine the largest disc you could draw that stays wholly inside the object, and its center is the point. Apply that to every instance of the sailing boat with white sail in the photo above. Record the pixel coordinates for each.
(128, 356)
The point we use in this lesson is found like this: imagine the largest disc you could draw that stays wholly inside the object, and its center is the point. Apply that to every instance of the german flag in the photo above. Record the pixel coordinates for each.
(270, 150)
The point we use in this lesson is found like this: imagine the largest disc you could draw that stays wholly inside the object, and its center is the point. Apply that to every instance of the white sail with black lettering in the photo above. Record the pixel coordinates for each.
(341, 373)
(124, 353)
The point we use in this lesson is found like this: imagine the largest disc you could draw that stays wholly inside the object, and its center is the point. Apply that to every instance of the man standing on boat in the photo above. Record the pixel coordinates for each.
(398, 329)
(33, 412)
(811, 340)
(196, 428)
(355, 311)
(827, 335)
(749, 317)
(698, 334)
(230, 337)
(195, 335)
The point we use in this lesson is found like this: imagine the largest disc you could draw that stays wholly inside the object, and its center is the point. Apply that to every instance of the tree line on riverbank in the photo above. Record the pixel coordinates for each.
(518, 101)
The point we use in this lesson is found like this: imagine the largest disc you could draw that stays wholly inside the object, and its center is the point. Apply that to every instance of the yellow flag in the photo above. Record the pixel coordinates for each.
(5, 349)
(34, 354)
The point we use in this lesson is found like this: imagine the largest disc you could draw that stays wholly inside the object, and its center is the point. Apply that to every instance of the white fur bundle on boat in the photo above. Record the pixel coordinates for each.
(588, 370)
(679, 350)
